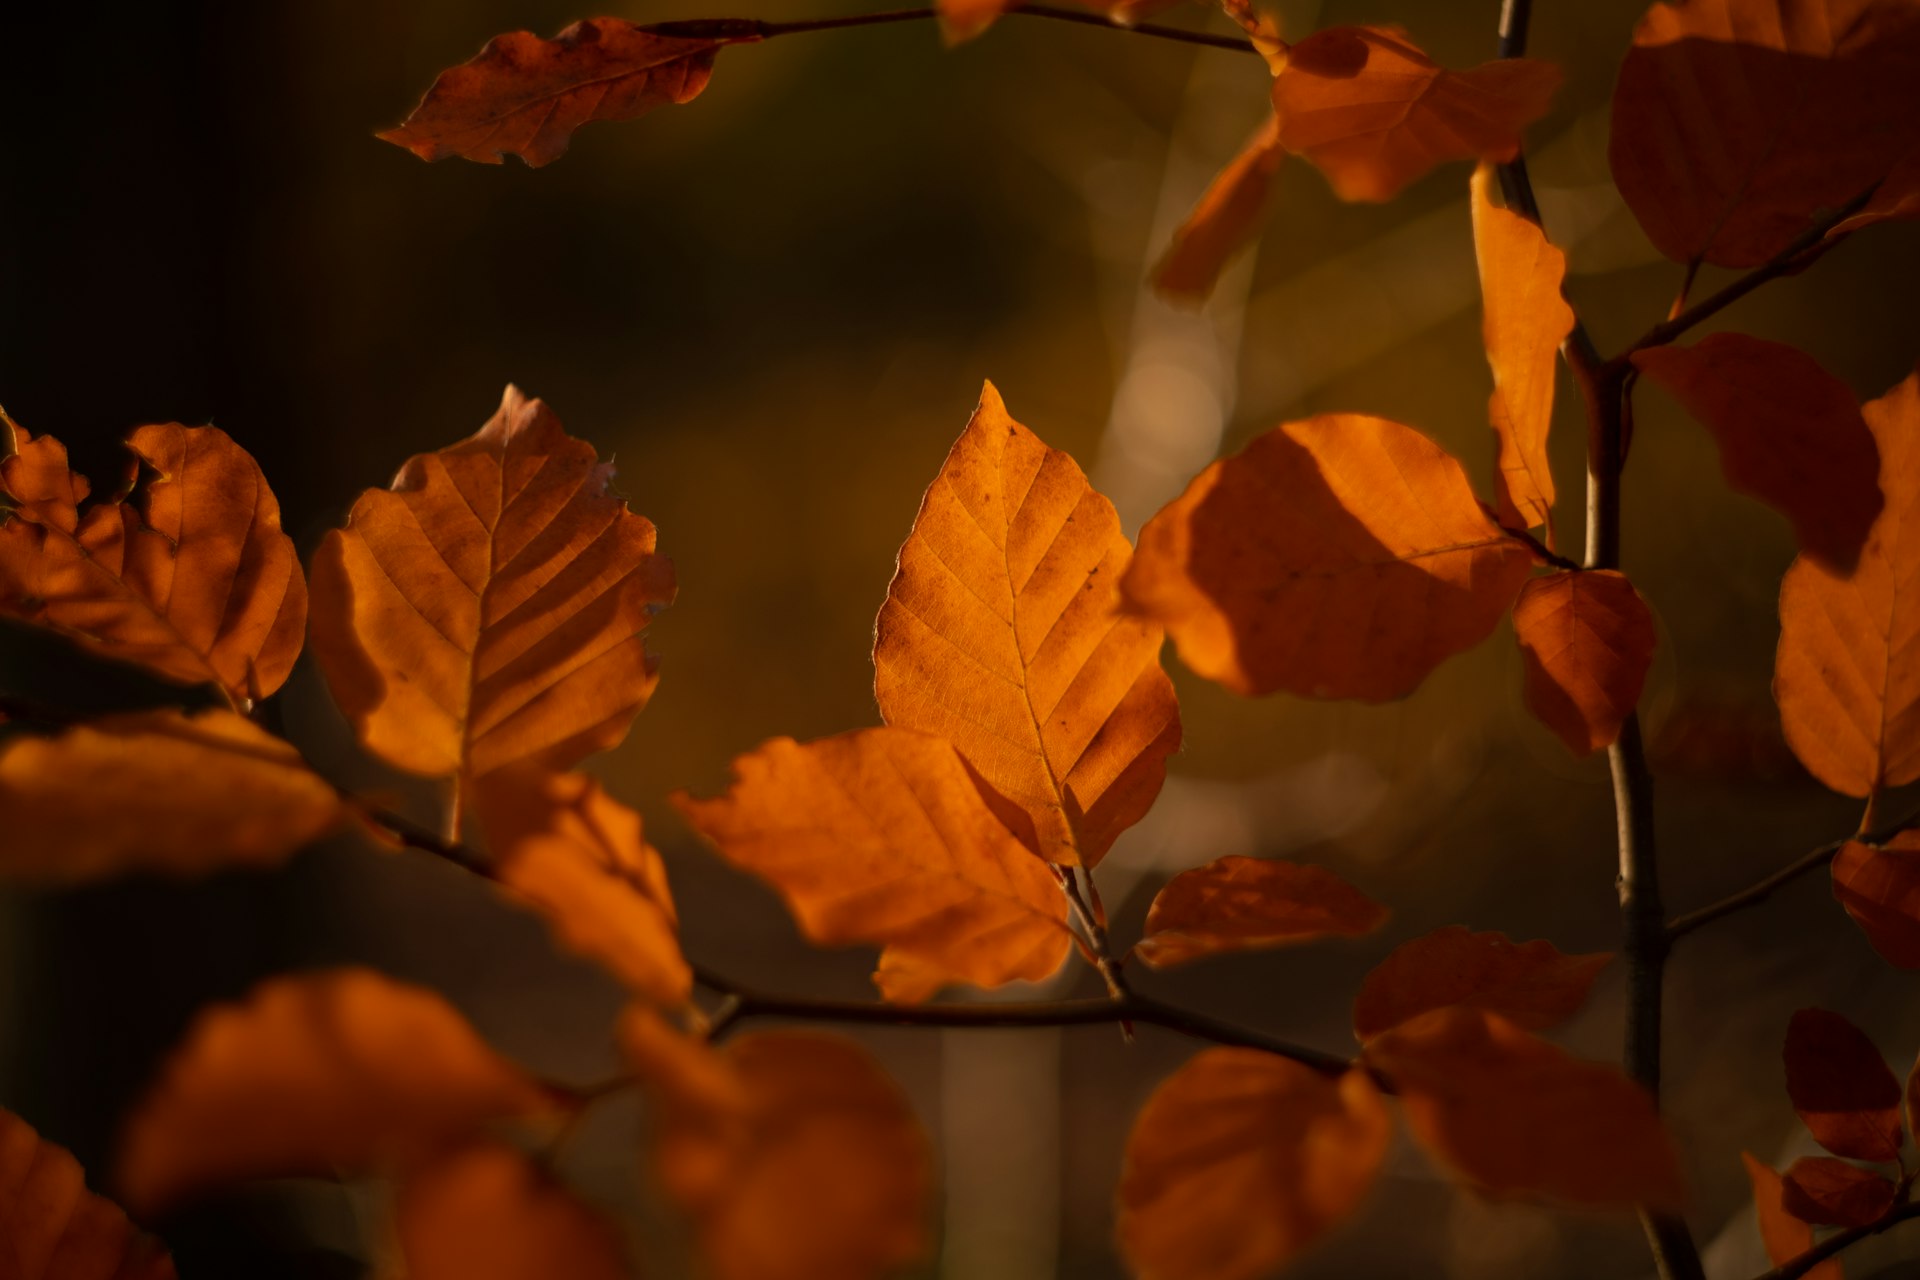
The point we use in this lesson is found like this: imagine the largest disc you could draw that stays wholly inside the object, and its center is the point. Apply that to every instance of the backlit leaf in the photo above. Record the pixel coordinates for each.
(1832, 1193)
(1227, 217)
(1785, 1236)
(1841, 1087)
(882, 836)
(1240, 1160)
(999, 634)
(1586, 640)
(1880, 888)
(491, 607)
(1531, 984)
(485, 1212)
(1239, 904)
(1343, 556)
(53, 1228)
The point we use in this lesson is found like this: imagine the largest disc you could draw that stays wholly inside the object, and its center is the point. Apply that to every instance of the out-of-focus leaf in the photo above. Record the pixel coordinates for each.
(1826, 1192)
(1227, 217)
(53, 1228)
(1533, 985)
(1841, 1087)
(485, 1212)
(1586, 640)
(1880, 888)
(1785, 1236)
(1240, 904)
(962, 20)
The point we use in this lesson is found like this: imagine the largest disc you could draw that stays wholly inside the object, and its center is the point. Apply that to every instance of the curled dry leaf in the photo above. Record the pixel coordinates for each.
(1880, 888)
(1239, 904)
(1847, 672)
(1240, 1160)
(1339, 557)
(1586, 640)
(999, 634)
(524, 96)
(1737, 122)
(485, 1212)
(1785, 1236)
(187, 574)
(491, 607)
(1517, 1116)
(577, 856)
(1533, 985)
(1790, 434)
(156, 791)
(882, 836)
(1227, 217)
(1841, 1087)
(338, 1072)
(1826, 1192)
(1374, 113)
(53, 1228)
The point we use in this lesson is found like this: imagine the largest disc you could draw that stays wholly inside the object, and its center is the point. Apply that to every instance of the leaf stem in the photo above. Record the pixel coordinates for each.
(755, 29)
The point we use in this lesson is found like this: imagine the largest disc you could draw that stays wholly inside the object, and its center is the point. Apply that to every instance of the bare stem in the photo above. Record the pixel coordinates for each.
(755, 29)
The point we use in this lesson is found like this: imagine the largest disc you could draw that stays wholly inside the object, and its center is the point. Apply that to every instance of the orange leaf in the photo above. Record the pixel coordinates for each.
(1841, 1087)
(1832, 1193)
(1239, 904)
(343, 1071)
(1880, 888)
(1339, 557)
(1516, 1116)
(524, 96)
(1785, 1236)
(1586, 641)
(578, 857)
(882, 836)
(188, 574)
(156, 791)
(794, 1153)
(486, 1212)
(1227, 217)
(1847, 673)
(491, 606)
(1240, 1160)
(1525, 319)
(1737, 122)
(999, 634)
(1531, 984)
(1790, 434)
(53, 1228)
(1375, 113)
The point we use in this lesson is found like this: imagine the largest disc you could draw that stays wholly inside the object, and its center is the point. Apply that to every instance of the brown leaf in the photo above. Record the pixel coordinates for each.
(794, 1153)
(1880, 888)
(341, 1071)
(1524, 321)
(1790, 434)
(1516, 1116)
(1239, 904)
(491, 607)
(1841, 1087)
(524, 96)
(577, 856)
(188, 574)
(1375, 113)
(1227, 218)
(1339, 557)
(1785, 1236)
(1832, 1193)
(156, 791)
(999, 634)
(53, 1228)
(1531, 984)
(882, 836)
(1240, 1160)
(962, 20)
(1847, 672)
(1737, 122)
(1586, 640)
(486, 1212)
(1898, 198)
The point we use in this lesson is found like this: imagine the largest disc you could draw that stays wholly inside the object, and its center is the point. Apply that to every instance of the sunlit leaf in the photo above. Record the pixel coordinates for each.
(1880, 888)
(1785, 1236)
(1586, 640)
(1531, 984)
(1227, 218)
(53, 1228)
(1827, 1192)
(1239, 904)
(1841, 1087)
(485, 1212)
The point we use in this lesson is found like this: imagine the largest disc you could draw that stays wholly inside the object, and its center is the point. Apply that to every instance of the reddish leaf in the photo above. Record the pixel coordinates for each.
(53, 1228)
(1531, 984)
(1826, 1192)
(1785, 1236)
(1880, 888)
(1586, 641)
(1841, 1087)
(1239, 904)
(1898, 198)
(485, 1212)
(1227, 217)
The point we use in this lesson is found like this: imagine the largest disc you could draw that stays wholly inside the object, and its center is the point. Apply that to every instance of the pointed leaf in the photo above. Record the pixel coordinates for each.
(1227, 218)
(1531, 984)
(1880, 888)
(1586, 640)
(491, 607)
(882, 836)
(486, 1212)
(1841, 1087)
(53, 1228)
(1339, 557)
(1240, 904)
(1785, 1236)
(1240, 1160)
(1826, 1192)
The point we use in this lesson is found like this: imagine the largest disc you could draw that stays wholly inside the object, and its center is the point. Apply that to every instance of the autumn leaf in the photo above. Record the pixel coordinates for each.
(341, 1071)
(1586, 640)
(962, 20)
(1531, 984)
(156, 791)
(1790, 434)
(1785, 1236)
(1517, 1116)
(999, 634)
(1841, 1088)
(1880, 888)
(1374, 113)
(1832, 1193)
(1525, 319)
(1239, 904)
(1227, 218)
(1737, 122)
(1847, 672)
(1898, 198)
(1240, 1160)
(53, 1228)
(491, 607)
(188, 574)
(1343, 556)
(576, 856)
(485, 1212)
(882, 836)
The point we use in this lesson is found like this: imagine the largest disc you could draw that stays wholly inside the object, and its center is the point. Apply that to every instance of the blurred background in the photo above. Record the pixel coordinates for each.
(774, 307)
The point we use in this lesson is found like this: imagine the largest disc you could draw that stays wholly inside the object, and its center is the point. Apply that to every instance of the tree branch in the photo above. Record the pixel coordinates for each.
(1794, 1268)
(752, 28)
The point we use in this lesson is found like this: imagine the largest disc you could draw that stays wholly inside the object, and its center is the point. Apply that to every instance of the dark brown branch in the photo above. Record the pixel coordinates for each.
(1794, 1268)
(752, 28)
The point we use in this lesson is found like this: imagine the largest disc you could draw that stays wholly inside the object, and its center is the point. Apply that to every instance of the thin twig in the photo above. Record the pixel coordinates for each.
(755, 29)
(1794, 1268)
